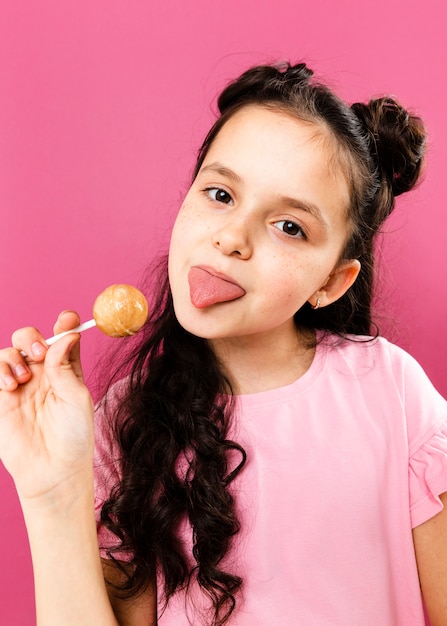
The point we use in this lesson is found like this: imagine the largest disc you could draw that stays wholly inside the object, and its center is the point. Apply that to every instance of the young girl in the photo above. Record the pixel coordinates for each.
(266, 460)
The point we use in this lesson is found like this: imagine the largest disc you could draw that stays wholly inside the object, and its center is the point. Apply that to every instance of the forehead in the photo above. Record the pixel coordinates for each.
(283, 152)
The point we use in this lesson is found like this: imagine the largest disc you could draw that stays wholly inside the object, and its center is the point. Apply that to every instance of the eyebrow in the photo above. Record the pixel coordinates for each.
(218, 168)
(309, 207)
(301, 205)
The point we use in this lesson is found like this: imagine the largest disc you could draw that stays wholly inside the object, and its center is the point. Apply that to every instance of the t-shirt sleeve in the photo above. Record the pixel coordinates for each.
(426, 412)
(428, 477)
(106, 473)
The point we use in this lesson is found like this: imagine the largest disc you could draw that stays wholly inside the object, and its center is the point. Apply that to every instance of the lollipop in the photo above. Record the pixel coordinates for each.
(119, 311)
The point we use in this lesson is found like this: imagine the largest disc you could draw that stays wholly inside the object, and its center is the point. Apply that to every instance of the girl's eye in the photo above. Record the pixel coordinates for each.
(220, 195)
(290, 228)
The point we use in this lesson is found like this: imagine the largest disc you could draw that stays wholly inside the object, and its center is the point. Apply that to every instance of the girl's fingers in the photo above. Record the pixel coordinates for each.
(63, 367)
(29, 346)
(66, 321)
(14, 366)
(13, 369)
(29, 341)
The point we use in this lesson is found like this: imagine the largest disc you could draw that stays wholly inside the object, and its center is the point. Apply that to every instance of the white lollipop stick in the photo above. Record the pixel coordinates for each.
(119, 311)
(78, 329)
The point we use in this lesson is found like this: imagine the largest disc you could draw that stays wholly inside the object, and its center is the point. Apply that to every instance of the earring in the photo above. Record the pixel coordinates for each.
(316, 305)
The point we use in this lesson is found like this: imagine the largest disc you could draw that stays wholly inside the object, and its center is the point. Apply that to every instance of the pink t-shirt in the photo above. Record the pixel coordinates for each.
(341, 465)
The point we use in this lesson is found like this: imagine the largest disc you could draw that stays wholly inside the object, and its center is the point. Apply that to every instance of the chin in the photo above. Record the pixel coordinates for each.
(192, 320)
(200, 325)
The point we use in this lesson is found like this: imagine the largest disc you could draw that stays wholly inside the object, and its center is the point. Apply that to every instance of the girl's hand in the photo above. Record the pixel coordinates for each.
(46, 412)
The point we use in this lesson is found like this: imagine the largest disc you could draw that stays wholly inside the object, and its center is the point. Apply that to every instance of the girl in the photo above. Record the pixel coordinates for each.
(265, 460)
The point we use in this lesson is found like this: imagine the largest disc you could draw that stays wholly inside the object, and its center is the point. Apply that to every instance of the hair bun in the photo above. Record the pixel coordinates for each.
(398, 141)
(263, 82)
(299, 73)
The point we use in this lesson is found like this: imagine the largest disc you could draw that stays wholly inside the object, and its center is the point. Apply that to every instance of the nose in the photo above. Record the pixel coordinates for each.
(233, 238)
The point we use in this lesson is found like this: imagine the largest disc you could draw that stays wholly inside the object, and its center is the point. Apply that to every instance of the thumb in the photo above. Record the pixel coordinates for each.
(64, 323)
(63, 366)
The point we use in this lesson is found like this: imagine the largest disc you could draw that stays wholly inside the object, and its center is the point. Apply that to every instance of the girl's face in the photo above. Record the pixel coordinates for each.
(261, 230)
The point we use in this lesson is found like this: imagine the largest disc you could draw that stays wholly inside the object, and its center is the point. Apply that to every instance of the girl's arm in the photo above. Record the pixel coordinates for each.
(430, 542)
(68, 578)
(68, 573)
(46, 443)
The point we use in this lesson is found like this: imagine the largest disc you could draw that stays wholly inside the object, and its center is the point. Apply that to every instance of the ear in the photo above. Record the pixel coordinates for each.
(338, 283)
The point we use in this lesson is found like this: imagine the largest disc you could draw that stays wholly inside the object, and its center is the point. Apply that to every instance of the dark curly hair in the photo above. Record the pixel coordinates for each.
(178, 404)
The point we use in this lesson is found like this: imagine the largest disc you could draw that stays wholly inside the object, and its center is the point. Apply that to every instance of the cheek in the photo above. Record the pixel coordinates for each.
(284, 284)
(293, 282)
(189, 224)
(180, 231)
(185, 238)
(175, 250)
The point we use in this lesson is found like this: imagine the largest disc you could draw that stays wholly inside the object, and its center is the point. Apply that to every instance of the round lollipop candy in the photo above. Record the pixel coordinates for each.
(119, 311)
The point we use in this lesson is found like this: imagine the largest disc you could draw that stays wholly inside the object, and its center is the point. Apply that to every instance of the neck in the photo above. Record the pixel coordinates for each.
(259, 363)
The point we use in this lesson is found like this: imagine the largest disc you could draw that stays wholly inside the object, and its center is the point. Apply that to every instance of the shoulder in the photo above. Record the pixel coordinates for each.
(388, 382)
(375, 354)
(378, 363)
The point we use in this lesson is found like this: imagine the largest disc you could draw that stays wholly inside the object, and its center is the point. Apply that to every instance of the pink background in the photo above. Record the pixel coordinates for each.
(102, 106)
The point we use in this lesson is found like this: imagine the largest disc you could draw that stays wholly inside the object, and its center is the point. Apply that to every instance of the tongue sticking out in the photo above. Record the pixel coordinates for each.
(207, 289)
